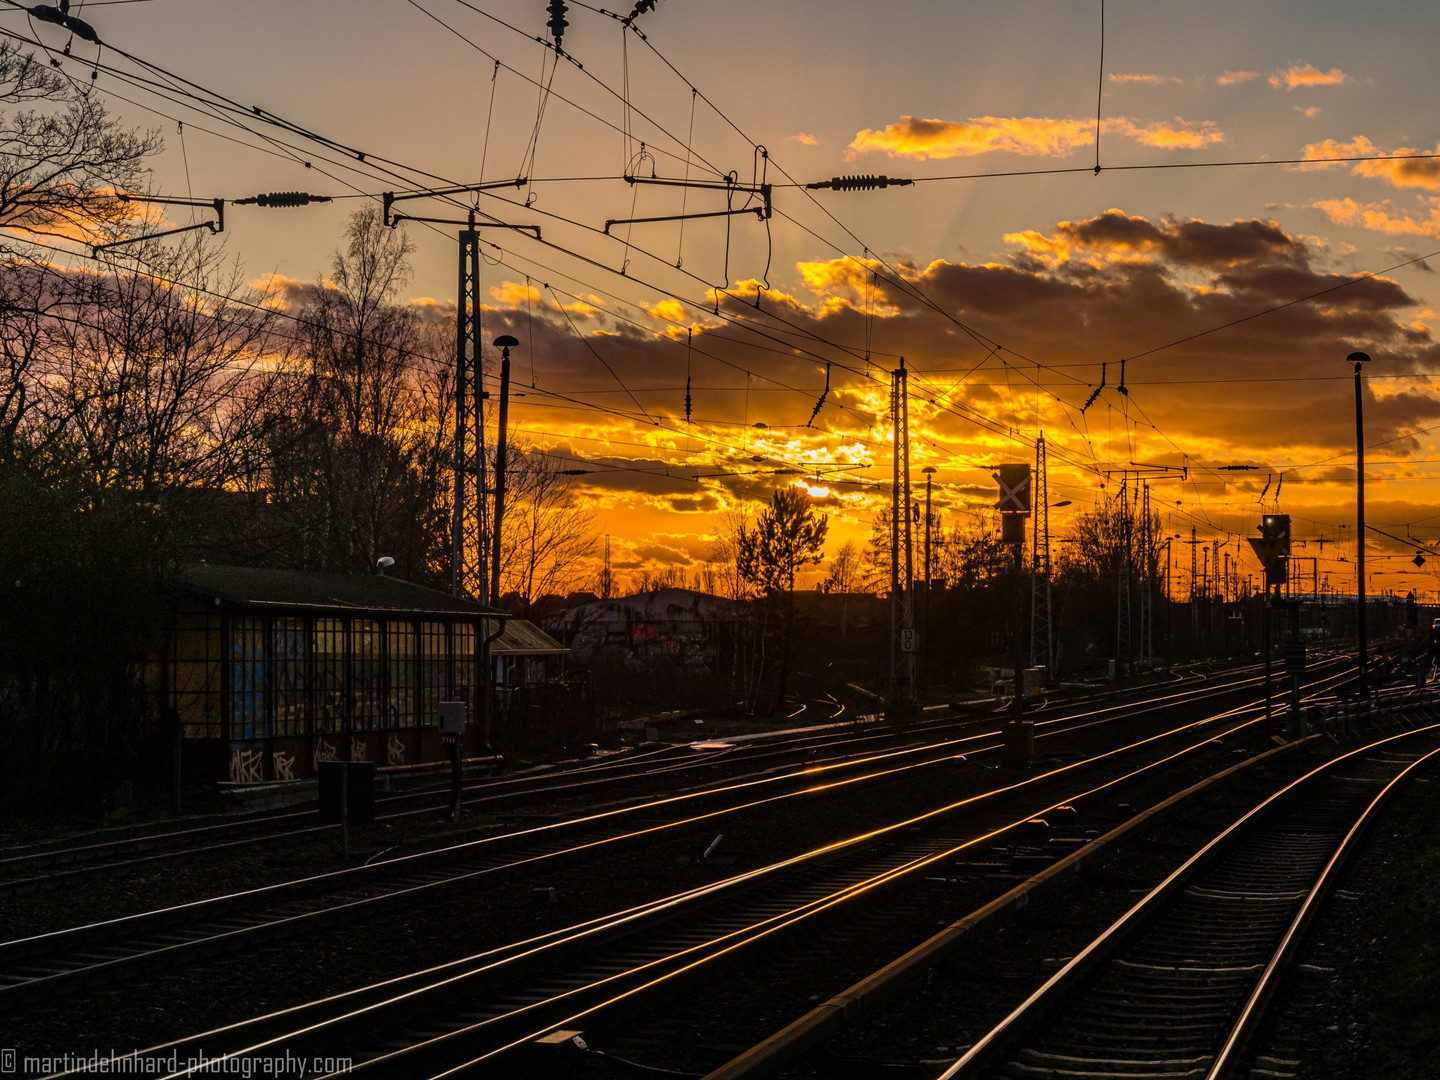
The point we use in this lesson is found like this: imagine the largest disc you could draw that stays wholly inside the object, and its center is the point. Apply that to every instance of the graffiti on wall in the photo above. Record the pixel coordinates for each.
(395, 750)
(284, 765)
(247, 766)
(324, 751)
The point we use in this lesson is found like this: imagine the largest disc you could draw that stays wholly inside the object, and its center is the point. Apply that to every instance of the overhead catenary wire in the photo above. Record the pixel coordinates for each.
(1007, 369)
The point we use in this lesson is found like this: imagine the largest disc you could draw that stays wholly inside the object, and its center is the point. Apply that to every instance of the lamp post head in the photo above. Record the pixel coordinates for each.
(505, 343)
(1358, 358)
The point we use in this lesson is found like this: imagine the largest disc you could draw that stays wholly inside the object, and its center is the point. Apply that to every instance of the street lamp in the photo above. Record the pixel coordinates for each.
(1360, 359)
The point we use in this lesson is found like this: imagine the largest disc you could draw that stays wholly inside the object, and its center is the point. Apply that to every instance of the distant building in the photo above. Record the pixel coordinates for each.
(270, 672)
(685, 628)
(524, 655)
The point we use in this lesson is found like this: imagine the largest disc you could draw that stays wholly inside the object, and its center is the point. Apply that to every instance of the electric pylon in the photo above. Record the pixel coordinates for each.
(467, 515)
(902, 609)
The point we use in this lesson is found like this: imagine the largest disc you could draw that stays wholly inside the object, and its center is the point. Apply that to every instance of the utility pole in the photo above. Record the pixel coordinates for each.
(1014, 506)
(929, 472)
(902, 613)
(1147, 612)
(468, 520)
(1122, 600)
(504, 343)
(1042, 635)
(1360, 359)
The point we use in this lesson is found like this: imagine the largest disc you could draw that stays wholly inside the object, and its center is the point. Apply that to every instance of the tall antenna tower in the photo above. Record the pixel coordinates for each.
(902, 608)
(1042, 635)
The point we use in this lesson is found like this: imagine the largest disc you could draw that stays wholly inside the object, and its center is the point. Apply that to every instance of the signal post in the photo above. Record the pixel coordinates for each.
(1273, 551)
(1014, 507)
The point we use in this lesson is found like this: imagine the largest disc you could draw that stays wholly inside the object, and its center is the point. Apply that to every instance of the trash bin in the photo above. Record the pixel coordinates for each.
(347, 784)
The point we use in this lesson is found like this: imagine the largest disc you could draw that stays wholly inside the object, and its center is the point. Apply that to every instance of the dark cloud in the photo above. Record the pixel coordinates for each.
(1237, 334)
(1186, 243)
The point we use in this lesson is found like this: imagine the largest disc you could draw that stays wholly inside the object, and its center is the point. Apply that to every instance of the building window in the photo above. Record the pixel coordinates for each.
(434, 670)
(289, 649)
(328, 650)
(249, 679)
(367, 675)
(465, 664)
(196, 673)
(400, 667)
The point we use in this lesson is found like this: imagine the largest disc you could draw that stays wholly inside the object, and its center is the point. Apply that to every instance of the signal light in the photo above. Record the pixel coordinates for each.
(1277, 527)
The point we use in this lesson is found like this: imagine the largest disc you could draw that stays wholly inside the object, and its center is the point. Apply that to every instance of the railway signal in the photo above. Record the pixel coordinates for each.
(1273, 547)
(1014, 507)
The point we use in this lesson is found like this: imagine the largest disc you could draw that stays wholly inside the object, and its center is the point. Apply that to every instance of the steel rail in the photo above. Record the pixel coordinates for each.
(997, 1041)
(1254, 1010)
(829, 850)
(808, 772)
(620, 767)
(214, 939)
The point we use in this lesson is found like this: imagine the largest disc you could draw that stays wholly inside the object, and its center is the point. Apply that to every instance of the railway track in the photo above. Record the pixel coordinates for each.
(79, 962)
(758, 766)
(50, 864)
(71, 959)
(659, 942)
(1177, 985)
(62, 863)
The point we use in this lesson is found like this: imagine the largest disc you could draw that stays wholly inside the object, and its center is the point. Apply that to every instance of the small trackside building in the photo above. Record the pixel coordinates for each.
(267, 673)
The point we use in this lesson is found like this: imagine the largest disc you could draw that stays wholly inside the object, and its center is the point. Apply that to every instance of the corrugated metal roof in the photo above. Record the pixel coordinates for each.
(250, 586)
(523, 638)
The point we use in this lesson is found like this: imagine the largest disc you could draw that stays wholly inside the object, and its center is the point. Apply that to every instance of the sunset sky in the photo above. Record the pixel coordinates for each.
(1191, 244)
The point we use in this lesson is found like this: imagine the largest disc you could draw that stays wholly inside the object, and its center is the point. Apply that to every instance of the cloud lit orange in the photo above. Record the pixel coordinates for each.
(1403, 168)
(1135, 77)
(1381, 217)
(1299, 75)
(1026, 135)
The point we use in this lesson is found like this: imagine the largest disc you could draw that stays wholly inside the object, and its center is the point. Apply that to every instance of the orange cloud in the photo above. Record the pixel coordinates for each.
(669, 310)
(1051, 249)
(1234, 78)
(276, 290)
(1027, 135)
(1180, 135)
(513, 294)
(805, 139)
(1403, 167)
(939, 139)
(1380, 217)
(826, 275)
(1299, 75)
(1148, 80)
